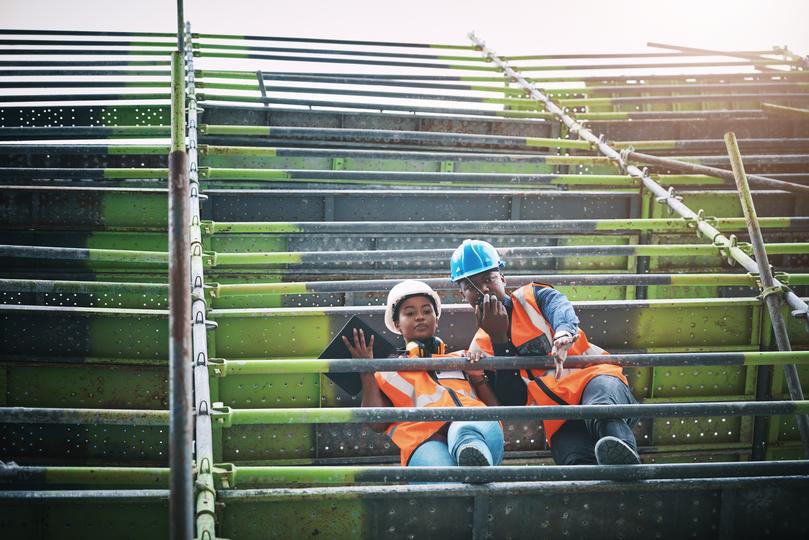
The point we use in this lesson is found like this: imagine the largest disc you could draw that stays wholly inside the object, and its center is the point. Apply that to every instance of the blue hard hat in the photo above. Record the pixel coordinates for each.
(473, 257)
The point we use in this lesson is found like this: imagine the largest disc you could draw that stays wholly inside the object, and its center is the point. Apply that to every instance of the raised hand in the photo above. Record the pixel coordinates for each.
(561, 344)
(360, 349)
(474, 357)
(492, 317)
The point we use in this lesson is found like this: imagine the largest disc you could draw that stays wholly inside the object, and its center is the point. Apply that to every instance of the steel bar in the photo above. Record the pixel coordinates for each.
(82, 287)
(222, 290)
(227, 417)
(99, 52)
(38, 98)
(27, 32)
(691, 52)
(387, 136)
(232, 475)
(372, 106)
(205, 500)
(119, 256)
(84, 73)
(82, 63)
(770, 292)
(713, 144)
(203, 47)
(677, 165)
(798, 305)
(180, 377)
(84, 84)
(511, 488)
(490, 227)
(96, 495)
(680, 98)
(515, 102)
(656, 65)
(87, 43)
(748, 55)
(108, 417)
(223, 367)
(152, 476)
(518, 253)
(290, 39)
(793, 112)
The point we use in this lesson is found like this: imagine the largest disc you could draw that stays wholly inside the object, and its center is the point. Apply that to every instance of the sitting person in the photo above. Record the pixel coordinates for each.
(413, 309)
(537, 320)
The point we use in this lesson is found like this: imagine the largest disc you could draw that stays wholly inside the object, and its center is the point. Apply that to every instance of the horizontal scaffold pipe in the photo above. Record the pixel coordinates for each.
(224, 367)
(82, 63)
(26, 32)
(80, 173)
(515, 102)
(392, 136)
(120, 256)
(204, 46)
(231, 475)
(682, 98)
(574, 56)
(82, 287)
(204, 98)
(233, 259)
(712, 144)
(83, 52)
(227, 417)
(15, 474)
(84, 73)
(590, 67)
(352, 61)
(221, 290)
(492, 227)
(87, 43)
(113, 417)
(85, 84)
(290, 39)
(679, 165)
(403, 178)
(26, 98)
(88, 132)
(96, 495)
(792, 112)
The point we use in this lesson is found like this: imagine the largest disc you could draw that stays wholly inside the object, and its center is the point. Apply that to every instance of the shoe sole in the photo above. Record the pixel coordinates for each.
(613, 451)
(472, 457)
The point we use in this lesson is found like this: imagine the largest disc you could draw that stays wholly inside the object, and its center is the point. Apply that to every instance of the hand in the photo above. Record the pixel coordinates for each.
(561, 344)
(492, 317)
(360, 349)
(474, 357)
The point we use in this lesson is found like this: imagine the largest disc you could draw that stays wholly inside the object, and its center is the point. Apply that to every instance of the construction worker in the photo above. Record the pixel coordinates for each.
(538, 320)
(413, 310)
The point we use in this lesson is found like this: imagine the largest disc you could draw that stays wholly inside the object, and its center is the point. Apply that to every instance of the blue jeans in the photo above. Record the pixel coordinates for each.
(485, 436)
(574, 442)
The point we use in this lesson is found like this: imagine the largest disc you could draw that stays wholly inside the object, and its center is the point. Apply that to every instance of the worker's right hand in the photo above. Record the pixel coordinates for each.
(492, 317)
(360, 349)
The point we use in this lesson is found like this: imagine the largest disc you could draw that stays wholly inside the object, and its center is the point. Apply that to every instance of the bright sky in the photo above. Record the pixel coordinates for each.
(512, 27)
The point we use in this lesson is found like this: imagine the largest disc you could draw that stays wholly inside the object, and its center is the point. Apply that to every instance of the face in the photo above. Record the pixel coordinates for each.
(488, 282)
(417, 320)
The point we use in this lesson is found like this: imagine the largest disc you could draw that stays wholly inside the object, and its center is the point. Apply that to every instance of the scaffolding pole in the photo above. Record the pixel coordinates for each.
(770, 292)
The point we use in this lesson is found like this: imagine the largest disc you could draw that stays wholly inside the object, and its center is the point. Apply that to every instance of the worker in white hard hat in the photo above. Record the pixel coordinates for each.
(413, 310)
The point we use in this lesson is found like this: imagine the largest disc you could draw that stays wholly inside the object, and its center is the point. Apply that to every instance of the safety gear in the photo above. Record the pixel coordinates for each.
(426, 349)
(531, 335)
(423, 389)
(473, 257)
(406, 289)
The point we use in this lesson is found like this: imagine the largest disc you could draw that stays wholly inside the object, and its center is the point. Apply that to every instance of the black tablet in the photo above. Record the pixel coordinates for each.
(350, 382)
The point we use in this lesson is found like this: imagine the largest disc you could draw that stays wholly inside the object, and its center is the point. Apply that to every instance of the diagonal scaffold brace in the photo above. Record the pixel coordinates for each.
(799, 308)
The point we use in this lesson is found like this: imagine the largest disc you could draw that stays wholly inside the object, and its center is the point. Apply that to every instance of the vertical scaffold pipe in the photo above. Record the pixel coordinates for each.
(770, 292)
(206, 492)
(723, 244)
(180, 428)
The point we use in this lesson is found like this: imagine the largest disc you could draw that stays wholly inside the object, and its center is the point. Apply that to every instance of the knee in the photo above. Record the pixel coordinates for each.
(606, 389)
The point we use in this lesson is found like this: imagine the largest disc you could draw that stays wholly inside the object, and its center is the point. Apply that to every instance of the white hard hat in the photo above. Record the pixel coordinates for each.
(400, 291)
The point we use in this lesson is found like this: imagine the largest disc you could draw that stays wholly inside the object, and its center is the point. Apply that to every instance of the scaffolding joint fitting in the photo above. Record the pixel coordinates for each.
(775, 289)
(669, 196)
(208, 258)
(624, 159)
(221, 415)
(208, 226)
(218, 366)
(225, 475)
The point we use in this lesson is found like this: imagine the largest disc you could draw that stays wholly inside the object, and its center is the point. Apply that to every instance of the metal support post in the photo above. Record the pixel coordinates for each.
(180, 428)
(206, 493)
(771, 293)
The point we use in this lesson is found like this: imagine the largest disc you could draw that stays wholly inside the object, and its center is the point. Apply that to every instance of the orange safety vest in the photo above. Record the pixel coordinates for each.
(527, 324)
(423, 389)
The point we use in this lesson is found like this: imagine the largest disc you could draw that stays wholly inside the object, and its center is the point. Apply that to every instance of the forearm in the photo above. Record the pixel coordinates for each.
(484, 391)
(372, 396)
(557, 310)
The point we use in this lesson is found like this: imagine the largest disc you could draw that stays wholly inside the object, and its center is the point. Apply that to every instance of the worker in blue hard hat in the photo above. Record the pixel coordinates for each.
(538, 320)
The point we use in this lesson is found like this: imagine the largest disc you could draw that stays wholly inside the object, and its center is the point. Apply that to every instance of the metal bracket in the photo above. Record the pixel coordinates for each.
(670, 194)
(202, 408)
(218, 366)
(211, 325)
(196, 249)
(225, 474)
(207, 226)
(201, 359)
(221, 415)
(775, 289)
(624, 159)
(209, 258)
(212, 289)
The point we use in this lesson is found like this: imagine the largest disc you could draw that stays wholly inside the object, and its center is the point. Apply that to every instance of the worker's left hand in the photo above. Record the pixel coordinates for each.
(561, 344)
